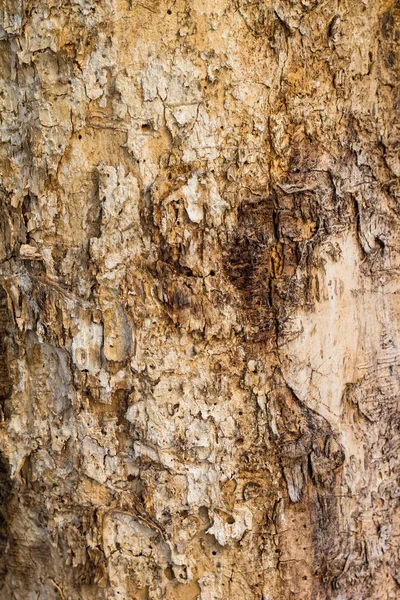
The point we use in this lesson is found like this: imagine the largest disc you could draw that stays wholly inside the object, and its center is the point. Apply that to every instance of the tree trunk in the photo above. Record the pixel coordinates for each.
(199, 314)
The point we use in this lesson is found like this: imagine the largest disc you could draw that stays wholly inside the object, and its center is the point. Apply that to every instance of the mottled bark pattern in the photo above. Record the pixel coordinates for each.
(199, 302)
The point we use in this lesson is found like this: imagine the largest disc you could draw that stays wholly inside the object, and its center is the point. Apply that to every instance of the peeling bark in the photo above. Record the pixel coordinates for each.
(199, 316)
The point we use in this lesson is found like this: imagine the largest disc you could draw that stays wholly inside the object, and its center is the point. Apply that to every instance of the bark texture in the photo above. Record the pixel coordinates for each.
(199, 307)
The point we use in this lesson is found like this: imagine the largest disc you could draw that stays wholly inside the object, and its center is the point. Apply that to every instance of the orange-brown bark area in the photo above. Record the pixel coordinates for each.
(199, 301)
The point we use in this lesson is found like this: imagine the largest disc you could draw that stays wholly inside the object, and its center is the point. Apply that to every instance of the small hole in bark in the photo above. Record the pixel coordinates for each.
(212, 273)
(214, 553)
(169, 12)
(79, 137)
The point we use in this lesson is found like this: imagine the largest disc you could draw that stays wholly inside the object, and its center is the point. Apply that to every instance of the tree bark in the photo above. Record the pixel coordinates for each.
(199, 307)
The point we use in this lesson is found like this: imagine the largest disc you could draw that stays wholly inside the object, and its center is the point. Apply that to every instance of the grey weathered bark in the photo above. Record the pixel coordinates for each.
(199, 317)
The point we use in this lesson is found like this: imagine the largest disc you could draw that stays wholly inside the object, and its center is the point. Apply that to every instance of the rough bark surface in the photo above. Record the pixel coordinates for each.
(199, 307)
